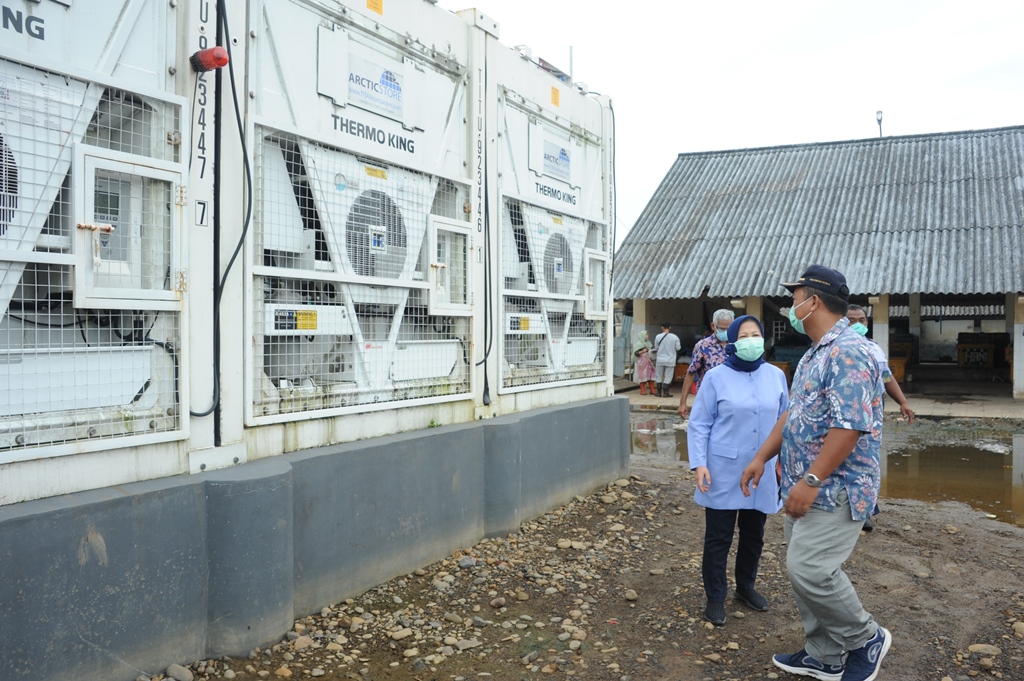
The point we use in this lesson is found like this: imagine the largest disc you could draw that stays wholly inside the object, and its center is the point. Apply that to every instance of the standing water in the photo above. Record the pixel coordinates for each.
(984, 471)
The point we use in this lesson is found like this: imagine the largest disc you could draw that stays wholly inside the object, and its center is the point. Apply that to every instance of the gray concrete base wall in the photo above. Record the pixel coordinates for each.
(110, 584)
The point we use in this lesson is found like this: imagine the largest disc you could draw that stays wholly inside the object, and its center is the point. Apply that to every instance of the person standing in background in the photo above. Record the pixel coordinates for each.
(859, 324)
(706, 355)
(642, 362)
(858, 317)
(666, 347)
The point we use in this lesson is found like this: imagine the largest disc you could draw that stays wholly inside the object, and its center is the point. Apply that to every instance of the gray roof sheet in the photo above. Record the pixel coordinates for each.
(938, 213)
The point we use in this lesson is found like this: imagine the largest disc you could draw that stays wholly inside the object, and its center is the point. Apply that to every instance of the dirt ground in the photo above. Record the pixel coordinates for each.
(609, 587)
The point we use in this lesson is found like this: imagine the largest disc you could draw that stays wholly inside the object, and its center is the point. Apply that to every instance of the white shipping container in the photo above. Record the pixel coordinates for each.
(404, 217)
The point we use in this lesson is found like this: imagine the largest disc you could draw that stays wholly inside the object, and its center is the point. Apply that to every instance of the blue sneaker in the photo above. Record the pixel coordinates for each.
(803, 664)
(864, 663)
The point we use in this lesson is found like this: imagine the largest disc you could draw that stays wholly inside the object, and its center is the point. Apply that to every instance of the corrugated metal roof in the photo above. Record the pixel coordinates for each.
(938, 213)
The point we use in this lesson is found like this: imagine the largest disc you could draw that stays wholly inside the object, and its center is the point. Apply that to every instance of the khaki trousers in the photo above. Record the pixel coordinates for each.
(818, 545)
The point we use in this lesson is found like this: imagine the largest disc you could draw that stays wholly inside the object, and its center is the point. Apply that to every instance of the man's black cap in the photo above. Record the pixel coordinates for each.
(824, 279)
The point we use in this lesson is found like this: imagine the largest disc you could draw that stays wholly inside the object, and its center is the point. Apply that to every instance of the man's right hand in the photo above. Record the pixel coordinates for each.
(751, 476)
(684, 410)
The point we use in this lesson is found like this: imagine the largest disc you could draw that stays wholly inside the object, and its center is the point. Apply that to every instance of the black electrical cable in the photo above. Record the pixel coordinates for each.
(488, 326)
(81, 328)
(488, 341)
(220, 281)
(245, 156)
(33, 322)
(487, 284)
(488, 308)
(174, 360)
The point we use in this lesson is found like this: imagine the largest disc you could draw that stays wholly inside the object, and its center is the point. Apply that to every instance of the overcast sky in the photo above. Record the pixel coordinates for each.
(696, 76)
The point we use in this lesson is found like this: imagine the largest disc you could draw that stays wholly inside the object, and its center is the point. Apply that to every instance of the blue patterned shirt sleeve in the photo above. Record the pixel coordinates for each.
(707, 354)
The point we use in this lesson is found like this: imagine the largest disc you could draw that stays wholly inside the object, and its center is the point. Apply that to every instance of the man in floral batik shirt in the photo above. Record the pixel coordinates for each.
(707, 354)
(829, 441)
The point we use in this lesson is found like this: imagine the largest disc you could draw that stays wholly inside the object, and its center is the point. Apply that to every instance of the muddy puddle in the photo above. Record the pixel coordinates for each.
(983, 468)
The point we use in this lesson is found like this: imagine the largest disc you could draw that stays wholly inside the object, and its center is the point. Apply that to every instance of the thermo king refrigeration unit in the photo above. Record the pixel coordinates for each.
(93, 153)
(361, 282)
(555, 172)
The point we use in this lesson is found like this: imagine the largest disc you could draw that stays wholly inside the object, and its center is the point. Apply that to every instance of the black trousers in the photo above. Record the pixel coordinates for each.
(718, 530)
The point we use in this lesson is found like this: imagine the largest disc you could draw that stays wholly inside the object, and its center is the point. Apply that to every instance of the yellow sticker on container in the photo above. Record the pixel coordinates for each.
(377, 172)
(555, 220)
(375, 5)
(305, 320)
(555, 94)
(524, 323)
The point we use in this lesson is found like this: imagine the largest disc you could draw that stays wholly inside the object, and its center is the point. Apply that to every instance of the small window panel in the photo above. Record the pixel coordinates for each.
(127, 227)
(449, 245)
(595, 282)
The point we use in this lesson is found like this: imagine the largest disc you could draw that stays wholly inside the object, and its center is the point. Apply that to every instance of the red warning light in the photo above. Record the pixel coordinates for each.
(209, 59)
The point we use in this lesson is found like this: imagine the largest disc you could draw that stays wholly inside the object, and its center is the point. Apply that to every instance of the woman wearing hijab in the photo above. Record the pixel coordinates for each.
(644, 365)
(735, 409)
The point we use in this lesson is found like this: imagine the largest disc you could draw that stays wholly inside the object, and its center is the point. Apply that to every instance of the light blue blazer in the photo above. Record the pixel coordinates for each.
(733, 413)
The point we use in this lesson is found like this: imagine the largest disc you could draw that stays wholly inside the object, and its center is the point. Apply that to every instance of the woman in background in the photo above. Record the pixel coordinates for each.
(642, 363)
(735, 409)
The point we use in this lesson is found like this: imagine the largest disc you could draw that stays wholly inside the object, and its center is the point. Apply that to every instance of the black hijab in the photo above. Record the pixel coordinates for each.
(732, 360)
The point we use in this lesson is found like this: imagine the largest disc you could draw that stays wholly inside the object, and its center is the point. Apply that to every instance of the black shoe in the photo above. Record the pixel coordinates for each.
(753, 600)
(868, 526)
(715, 612)
(667, 393)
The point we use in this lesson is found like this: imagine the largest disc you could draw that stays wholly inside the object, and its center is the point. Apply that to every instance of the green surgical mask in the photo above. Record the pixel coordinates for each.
(859, 329)
(796, 322)
(749, 349)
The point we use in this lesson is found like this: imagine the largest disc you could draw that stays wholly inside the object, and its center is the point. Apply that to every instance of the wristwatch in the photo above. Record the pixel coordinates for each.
(812, 480)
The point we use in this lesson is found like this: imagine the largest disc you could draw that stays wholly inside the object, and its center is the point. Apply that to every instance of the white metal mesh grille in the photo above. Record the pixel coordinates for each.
(356, 328)
(69, 374)
(547, 338)
(540, 348)
(132, 124)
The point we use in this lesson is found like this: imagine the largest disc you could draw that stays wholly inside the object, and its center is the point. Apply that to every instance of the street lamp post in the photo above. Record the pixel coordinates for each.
(878, 117)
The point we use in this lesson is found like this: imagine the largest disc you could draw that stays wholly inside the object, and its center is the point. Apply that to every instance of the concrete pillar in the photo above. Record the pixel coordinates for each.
(249, 533)
(1018, 347)
(503, 477)
(754, 306)
(880, 320)
(640, 316)
(915, 314)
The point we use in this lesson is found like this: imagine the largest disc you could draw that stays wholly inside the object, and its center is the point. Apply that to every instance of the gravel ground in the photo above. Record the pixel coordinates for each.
(608, 587)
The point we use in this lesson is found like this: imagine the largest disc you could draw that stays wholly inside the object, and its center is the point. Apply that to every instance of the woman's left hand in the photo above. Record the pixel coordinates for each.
(703, 478)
